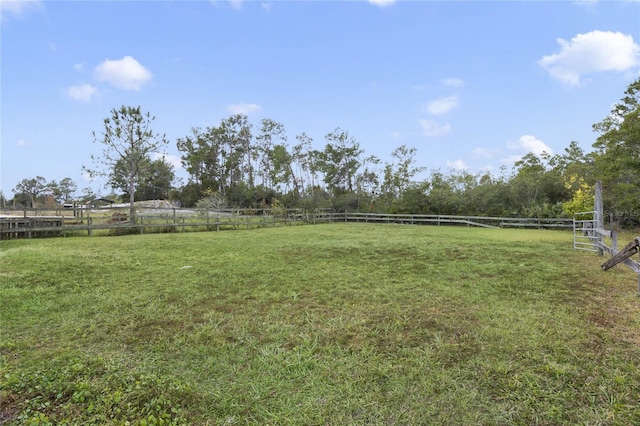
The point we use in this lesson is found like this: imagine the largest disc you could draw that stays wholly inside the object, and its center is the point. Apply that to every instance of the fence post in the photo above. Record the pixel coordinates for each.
(599, 209)
(217, 221)
(141, 226)
(90, 224)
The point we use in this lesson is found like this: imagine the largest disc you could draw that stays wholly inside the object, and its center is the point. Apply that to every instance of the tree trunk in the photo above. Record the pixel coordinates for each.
(132, 190)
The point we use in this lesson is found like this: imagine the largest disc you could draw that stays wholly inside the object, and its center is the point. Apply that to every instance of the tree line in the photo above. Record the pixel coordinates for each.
(239, 164)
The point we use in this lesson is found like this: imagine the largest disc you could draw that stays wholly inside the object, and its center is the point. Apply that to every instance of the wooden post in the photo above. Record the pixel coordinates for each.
(638, 241)
(90, 224)
(599, 212)
(629, 250)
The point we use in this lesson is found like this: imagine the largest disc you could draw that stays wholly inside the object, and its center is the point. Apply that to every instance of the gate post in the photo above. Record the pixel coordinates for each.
(599, 209)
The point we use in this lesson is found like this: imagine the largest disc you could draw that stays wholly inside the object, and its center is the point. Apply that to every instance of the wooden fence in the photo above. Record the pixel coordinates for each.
(589, 234)
(46, 223)
(469, 221)
(618, 256)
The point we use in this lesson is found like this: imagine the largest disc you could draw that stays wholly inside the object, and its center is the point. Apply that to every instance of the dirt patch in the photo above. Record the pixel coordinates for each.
(8, 409)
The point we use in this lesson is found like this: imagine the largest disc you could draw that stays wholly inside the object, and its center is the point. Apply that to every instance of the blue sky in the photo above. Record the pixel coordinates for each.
(471, 85)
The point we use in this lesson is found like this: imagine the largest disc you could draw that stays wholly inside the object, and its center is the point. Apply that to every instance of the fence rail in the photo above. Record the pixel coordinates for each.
(48, 223)
(589, 234)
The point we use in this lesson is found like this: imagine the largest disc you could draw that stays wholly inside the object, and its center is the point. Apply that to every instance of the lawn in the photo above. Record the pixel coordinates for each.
(327, 324)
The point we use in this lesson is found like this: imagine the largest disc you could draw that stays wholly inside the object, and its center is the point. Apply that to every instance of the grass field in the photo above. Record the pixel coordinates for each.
(328, 324)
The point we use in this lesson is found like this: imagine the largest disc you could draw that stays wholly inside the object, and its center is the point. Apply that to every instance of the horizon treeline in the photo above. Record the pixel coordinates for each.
(239, 164)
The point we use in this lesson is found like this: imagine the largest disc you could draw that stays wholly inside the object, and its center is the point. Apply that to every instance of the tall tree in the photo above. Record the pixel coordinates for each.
(367, 182)
(302, 156)
(202, 157)
(618, 152)
(88, 194)
(154, 180)
(31, 188)
(238, 151)
(340, 161)
(271, 135)
(128, 139)
(67, 188)
(527, 181)
(158, 180)
(400, 171)
(281, 170)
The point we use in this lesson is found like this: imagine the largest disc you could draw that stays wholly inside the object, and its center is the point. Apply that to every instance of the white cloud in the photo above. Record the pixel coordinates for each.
(79, 68)
(243, 108)
(22, 143)
(453, 82)
(382, 3)
(483, 153)
(236, 4)
(266, 6)
(19, 8)
(587, 4)
(125, 73)
(431, 128)
(457, 165)
(174, 160)
(82, 93)
(528, 143)
(87, 177)
(512, 159)
(525, 144)
(592, 52)
(442, 105)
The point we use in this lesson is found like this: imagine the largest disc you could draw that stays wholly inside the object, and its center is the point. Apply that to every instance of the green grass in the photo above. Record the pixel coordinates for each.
(327, 324)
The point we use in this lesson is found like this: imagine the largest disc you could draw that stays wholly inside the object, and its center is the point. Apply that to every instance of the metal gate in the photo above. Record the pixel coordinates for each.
(585, 235)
